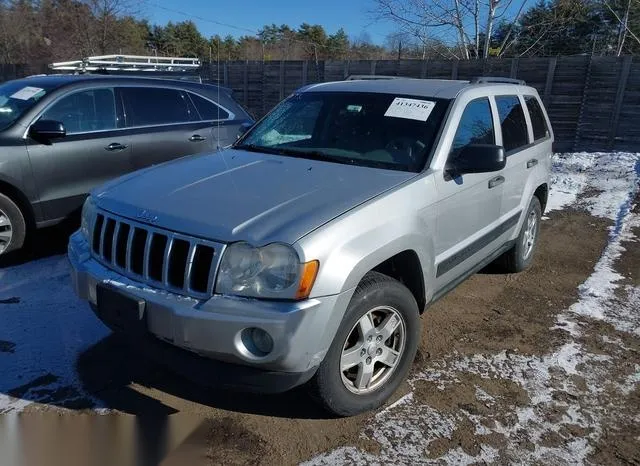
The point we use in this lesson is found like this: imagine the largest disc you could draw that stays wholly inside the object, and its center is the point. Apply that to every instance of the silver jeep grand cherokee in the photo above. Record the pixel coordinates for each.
(308, 250)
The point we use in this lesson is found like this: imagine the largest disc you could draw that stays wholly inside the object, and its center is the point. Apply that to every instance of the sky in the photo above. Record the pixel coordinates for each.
(248, 16)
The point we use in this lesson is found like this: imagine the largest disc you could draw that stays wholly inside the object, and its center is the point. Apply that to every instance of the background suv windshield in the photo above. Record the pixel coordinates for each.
(15, 99)
(369, 129)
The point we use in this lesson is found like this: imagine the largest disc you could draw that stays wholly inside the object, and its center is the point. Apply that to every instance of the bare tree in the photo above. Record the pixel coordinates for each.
(446, 17)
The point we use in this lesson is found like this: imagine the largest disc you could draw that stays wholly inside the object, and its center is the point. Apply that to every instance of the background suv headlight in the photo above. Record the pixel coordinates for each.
(88, 212)
(273, 271)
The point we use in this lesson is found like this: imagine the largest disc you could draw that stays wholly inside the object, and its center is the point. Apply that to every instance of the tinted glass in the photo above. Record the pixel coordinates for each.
(512, 122)
(208, 110)
(155, 106)
(368, 129)
(538, 122)
(17, 97)
(85, 111)
(475, 127)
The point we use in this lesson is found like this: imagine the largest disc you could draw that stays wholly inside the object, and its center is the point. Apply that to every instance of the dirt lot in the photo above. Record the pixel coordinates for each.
(538, 367)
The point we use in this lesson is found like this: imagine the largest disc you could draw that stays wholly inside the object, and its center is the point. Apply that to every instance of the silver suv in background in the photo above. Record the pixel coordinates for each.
(62, 135)
(308, 250)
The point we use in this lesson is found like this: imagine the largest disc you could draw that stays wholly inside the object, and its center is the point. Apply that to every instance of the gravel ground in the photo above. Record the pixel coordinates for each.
(538, 367)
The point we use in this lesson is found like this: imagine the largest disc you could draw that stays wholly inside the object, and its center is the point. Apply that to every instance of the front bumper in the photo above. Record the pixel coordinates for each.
(301, 331)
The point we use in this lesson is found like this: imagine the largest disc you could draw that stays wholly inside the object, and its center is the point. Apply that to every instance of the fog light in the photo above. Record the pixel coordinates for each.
(257, 341)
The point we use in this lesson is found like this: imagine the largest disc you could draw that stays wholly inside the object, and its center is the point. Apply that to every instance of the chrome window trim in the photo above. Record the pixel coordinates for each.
(232, 115)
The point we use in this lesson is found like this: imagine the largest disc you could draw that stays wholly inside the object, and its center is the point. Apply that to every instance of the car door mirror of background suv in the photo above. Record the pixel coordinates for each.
(46, 130)
(477, 158)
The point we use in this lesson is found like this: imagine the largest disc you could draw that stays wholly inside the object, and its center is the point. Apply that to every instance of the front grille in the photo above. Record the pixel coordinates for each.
(160, 258)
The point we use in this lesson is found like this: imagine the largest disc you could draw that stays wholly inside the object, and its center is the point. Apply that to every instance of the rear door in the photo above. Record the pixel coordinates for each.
(164, 125)
(520, 153)
(94, 150)
(468, 205)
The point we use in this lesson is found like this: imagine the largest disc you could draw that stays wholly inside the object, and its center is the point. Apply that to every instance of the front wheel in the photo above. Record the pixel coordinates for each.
(12, 226)
(373, 349)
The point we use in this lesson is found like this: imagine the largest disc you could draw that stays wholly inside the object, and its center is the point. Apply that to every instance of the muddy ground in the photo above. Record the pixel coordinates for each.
(493, 314)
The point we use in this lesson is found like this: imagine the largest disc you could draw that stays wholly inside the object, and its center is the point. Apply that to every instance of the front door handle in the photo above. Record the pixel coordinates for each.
(493, 182)
(197, 138)
(115, 146)
(532, 163)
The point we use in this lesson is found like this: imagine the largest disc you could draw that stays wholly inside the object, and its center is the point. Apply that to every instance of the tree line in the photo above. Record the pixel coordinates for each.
(44, 31)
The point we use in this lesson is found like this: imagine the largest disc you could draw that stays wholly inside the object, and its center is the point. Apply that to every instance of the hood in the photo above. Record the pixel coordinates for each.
(235, 195)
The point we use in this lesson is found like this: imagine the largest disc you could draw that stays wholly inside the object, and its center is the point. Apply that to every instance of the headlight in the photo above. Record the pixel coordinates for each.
(88, 212)
(273, 271)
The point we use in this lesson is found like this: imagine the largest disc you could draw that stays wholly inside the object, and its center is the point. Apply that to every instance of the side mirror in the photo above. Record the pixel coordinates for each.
(478, 158)
(244, 127)
(47, 130)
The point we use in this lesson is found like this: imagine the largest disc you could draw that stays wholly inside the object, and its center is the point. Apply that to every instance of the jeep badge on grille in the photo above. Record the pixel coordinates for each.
(146, 216)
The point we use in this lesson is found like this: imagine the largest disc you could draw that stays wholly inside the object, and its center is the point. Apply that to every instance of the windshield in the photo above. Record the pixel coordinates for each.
(368, 129)
(15, 99)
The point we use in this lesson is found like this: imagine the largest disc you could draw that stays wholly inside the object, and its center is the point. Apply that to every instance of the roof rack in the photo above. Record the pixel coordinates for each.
(128, 63)
(495, 79)
(353, 77)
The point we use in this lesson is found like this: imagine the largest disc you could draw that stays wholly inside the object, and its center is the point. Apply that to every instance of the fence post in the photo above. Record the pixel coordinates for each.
(346, 69)
(305, 72)
(551, 71)
(225, 79)
(423, 69)
(246, 83)
(281, 79)
(454, 69)
(622, 85)
(373, 67)
(513, 74)
(585, 94)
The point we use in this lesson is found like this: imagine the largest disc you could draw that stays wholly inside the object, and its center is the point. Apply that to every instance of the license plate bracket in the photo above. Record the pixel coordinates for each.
(119, 311)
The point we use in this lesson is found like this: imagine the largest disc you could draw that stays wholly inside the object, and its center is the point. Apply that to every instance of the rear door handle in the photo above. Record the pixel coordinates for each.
(532, 163)
(115, 146)
(493, 182)
(197, 138)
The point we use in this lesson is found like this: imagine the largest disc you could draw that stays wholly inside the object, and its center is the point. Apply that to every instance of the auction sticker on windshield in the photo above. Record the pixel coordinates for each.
(27, 93)
(412, 109)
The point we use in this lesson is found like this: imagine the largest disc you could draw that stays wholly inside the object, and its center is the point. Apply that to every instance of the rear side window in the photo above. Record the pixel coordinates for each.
(475, 127)
(512, 122)
(85, 111)
(538, 122)
(208, 110)
(156, 106)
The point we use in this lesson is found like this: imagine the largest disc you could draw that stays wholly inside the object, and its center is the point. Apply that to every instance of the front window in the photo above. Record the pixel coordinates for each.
(368, 129)
(16, 98)
(85, 111)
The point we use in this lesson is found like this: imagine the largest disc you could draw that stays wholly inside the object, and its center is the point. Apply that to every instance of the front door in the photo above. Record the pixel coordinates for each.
(468, 205)
(94, 150)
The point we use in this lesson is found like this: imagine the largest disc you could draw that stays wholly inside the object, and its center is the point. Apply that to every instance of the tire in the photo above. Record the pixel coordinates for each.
(520, 257)
(377, 300)
(12, 226)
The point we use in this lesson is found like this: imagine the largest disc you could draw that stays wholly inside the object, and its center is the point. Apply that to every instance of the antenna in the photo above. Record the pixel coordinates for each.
(218, 78)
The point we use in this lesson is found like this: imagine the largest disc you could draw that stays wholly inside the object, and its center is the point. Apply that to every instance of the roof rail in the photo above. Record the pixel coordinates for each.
(497, 79)
(353, 77)
(128, 63)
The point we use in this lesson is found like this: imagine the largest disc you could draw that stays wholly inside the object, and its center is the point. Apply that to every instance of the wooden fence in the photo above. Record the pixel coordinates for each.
(593, 102)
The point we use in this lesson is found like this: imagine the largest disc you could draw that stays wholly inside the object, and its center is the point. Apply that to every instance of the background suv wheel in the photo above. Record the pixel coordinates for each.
(12, 226)
(521, 255)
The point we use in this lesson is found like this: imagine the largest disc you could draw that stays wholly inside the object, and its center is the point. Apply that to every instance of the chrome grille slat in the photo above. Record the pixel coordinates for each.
(133, 254)
(128, 249)
(187, 269)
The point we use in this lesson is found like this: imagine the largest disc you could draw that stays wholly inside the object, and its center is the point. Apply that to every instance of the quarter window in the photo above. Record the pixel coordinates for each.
(85, 111)
(207, 109)
(475, 127)
(512, 123)
(538, 121)
(147, 106)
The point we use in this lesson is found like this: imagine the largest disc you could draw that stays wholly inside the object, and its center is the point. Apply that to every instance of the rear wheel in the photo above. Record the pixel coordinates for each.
(12, 226)
(521, 255)
(373, 349)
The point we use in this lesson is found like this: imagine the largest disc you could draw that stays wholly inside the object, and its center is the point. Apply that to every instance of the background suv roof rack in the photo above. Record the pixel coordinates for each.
(495, 79)
(353, 77)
